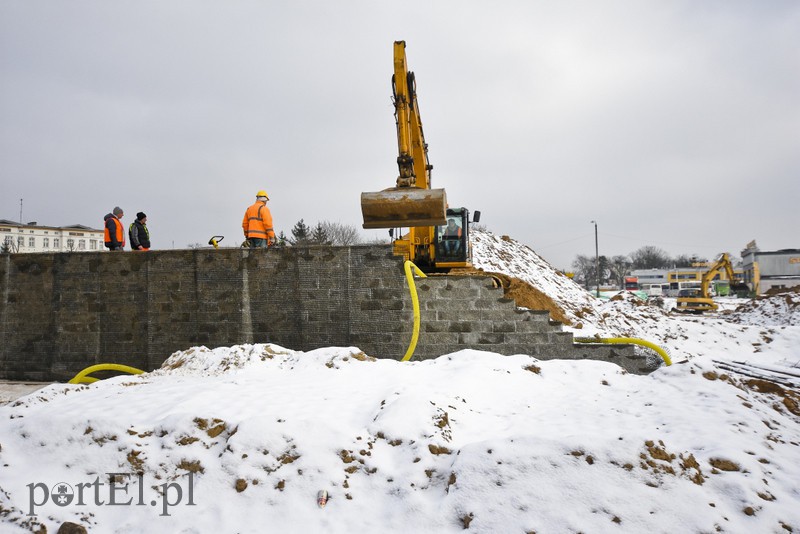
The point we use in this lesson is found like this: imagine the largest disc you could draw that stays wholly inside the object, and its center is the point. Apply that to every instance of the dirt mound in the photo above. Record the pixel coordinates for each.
(523, 293)
(779, 309)
(781, 290)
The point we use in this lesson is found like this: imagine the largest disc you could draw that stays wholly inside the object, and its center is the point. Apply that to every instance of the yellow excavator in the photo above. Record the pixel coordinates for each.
(438, 237)
(699, 300)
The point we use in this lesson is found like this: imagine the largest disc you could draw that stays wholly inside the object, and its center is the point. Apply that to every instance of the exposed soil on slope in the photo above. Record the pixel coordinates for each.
(524, 294)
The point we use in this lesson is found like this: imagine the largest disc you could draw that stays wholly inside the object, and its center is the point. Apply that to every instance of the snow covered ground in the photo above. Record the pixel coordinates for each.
(241, 439)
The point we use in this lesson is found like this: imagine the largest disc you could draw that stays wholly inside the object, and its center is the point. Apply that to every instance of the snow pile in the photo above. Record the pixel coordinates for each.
(623, 316)
(472, 441)
(752, 326)
(203, 361)
(782, 309)
(505, 255)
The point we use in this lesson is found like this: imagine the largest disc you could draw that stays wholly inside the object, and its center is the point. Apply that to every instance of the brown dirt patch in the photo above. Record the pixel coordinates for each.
(136, 463)
(360, 356)
(791, 399)
(779, 291)
(724, 465)
(436, 450)
(533, 369)
(443, 420)
(193, 467)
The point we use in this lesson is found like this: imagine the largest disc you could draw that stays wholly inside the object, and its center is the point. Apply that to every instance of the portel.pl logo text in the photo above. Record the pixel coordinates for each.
(122, 489)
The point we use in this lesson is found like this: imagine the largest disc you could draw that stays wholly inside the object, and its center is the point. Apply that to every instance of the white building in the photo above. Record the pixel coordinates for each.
(647, 278)
(31, 237)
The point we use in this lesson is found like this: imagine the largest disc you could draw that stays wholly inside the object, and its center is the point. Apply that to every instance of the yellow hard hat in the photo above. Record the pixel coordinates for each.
(262, 193)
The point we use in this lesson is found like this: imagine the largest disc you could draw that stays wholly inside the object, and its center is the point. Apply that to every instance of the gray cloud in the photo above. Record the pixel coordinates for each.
(672, 124)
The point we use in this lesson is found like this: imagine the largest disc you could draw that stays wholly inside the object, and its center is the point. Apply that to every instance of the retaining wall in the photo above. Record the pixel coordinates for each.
(62, 312)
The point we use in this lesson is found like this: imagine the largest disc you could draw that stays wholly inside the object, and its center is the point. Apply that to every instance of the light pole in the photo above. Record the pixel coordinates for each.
(596, 258)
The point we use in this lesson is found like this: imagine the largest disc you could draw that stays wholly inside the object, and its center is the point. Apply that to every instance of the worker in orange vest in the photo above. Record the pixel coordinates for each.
(257, 223)
(114, 235)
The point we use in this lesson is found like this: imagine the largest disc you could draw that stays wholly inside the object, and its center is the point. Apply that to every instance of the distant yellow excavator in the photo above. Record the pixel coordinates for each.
(438, 237)
(699, 300)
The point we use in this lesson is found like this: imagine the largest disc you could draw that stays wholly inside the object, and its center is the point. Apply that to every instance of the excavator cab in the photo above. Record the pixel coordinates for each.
(452, 239)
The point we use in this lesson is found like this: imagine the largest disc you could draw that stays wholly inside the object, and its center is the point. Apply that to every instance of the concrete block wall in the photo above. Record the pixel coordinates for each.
(458, 312)
(469, 311)
(60, 313)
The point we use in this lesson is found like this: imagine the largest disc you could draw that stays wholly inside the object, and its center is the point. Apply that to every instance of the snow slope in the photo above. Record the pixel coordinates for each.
(472, 440)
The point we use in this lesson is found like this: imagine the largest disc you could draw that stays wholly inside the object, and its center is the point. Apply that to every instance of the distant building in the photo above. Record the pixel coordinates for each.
(767, 270)
(31, 237)
(651, 277)
(671, 281)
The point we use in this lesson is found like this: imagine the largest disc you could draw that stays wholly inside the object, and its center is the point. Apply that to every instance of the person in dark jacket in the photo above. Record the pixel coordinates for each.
(138, 233)
(114, 233)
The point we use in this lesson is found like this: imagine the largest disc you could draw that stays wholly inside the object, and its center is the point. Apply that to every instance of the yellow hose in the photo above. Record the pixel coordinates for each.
(627, 341)
(409, 265)
(82, 378)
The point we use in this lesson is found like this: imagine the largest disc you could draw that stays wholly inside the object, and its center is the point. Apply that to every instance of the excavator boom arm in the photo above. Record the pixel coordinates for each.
(724, 262)
(412, 203)
(402, 114)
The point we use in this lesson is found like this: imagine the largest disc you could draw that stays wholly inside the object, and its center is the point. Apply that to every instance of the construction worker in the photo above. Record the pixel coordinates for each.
(138, 233)
(257, 223)
(114, 235)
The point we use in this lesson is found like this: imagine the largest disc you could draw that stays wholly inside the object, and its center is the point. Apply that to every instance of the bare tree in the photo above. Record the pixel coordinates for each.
(380, 240)
(649, 257)
(619, 267)
(686, 260)
(584, 268)
(341, 234)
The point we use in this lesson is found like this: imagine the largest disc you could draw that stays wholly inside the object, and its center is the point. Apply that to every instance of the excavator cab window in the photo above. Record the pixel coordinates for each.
(452, 239)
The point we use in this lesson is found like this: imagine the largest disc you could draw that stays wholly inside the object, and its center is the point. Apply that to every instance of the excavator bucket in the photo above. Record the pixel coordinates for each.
(404, 207)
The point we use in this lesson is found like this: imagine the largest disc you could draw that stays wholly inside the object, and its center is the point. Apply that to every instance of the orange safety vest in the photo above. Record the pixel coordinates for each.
(118, 233)
(257, 222)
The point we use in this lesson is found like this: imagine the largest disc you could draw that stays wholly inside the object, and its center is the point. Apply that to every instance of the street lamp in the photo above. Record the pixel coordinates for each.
(596, 258)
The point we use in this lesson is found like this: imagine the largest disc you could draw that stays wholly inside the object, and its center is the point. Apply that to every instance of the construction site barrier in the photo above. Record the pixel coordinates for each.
(626, 341)
(408, 266)
(83, 378)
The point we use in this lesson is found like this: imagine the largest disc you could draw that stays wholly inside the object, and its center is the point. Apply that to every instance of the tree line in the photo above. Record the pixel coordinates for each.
(614, 269)
(323, 233)
(326, 233)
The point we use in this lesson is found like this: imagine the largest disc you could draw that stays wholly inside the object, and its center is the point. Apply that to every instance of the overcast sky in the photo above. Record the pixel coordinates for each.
(674, 124)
